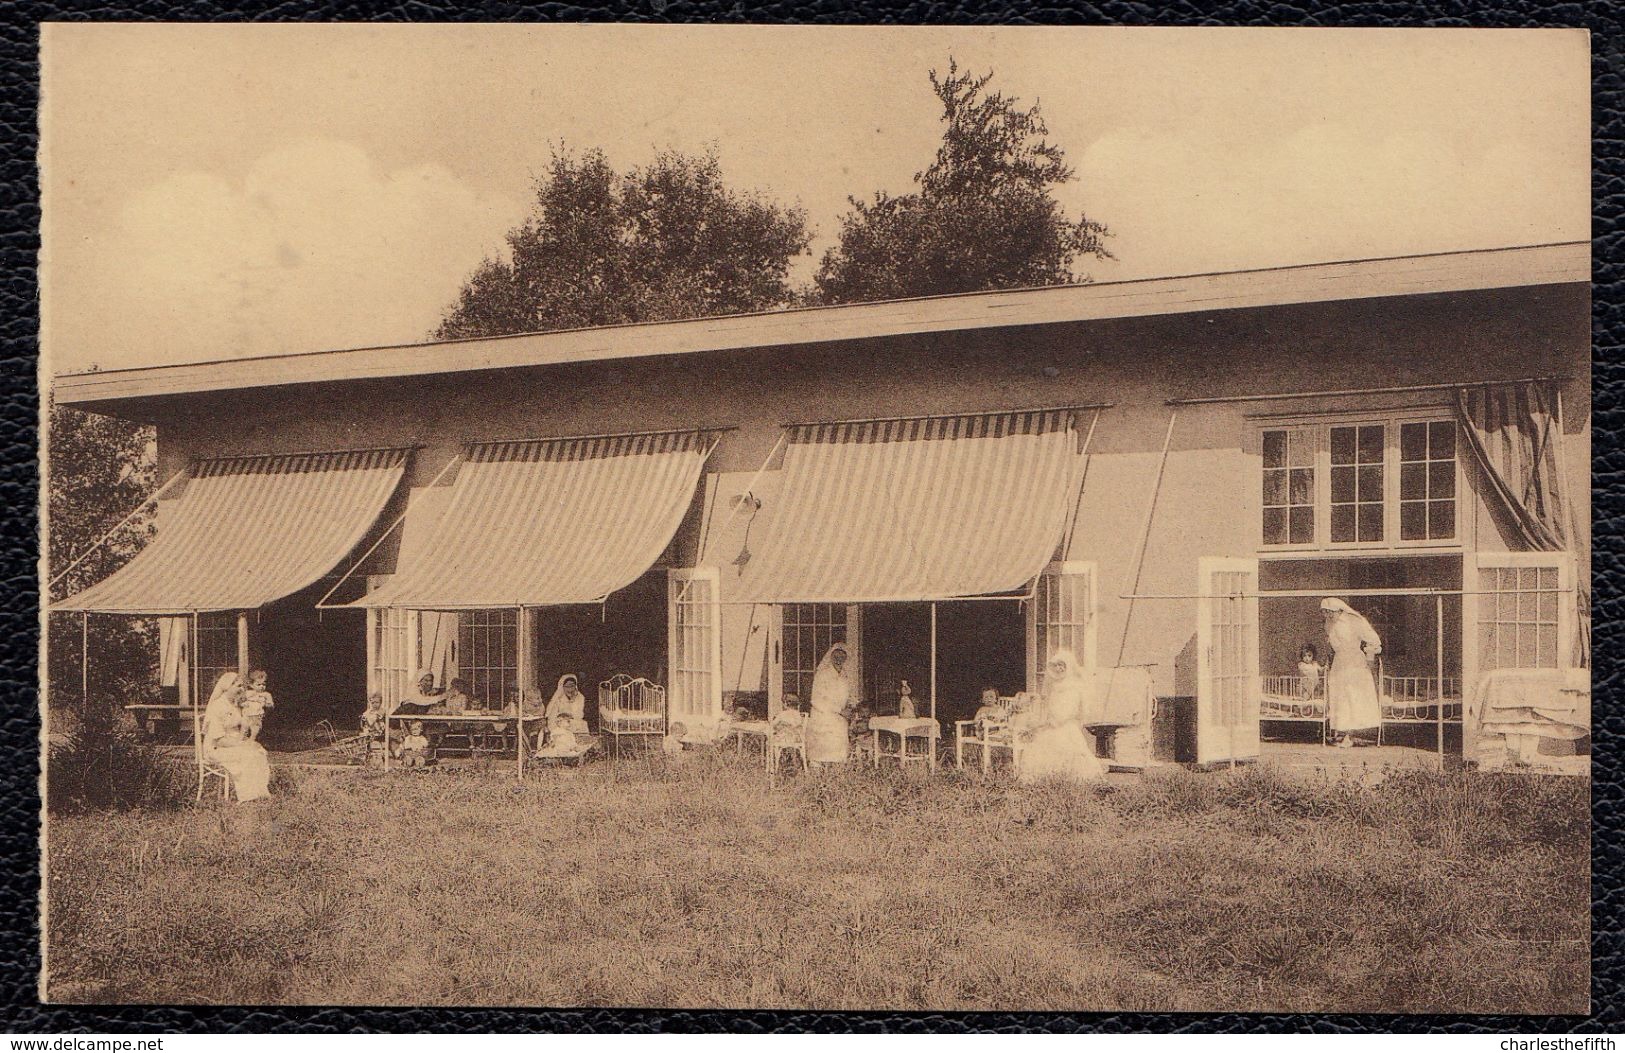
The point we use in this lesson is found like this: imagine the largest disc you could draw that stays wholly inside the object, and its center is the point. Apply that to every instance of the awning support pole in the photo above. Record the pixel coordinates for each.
(1077, 501)
(197, 704)
(1145, 536)
(321, 604)
(933, 661)
(519, 703)
(99, 542)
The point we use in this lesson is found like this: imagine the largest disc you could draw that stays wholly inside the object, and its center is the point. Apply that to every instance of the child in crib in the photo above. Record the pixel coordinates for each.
(1309, 672)
(256, 700)
(415, 747)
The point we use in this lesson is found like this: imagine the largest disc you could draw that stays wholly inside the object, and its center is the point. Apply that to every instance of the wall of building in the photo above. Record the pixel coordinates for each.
(1207, 503)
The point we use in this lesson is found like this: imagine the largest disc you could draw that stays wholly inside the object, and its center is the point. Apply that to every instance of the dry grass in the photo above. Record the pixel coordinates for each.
(693, 886)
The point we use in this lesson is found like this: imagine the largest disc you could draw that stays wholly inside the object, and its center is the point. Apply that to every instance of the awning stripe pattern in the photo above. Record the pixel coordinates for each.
(552, 521)
(929, 509)
(250, 530)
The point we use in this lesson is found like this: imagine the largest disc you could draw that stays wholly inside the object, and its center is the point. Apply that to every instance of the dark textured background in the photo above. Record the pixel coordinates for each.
(19, 320)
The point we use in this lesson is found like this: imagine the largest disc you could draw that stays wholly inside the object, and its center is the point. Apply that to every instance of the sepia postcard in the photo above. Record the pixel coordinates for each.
(740, 517)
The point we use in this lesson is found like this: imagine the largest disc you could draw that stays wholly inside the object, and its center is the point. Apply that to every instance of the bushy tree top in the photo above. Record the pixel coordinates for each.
(982, 216)
(668, 240)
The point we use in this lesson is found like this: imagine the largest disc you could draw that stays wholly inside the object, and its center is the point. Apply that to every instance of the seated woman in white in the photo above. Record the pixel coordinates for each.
(1052, 731)
(568, 701)
(226, 743)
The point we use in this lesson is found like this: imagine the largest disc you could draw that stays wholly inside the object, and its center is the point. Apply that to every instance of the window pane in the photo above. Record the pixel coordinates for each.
(1413, 479)
(1343, 523)
(1547, 578)
(1371, 483)
(1442, 479)
(1303, 526)
(1370, 522)
(1442, 441)
(1526, 606)
(1275, 526)
(1301, 452)
(1413, 442)
(1275, 449)
(1303, 486)
(1275, 486)
(1548, 606)
(1342, 445)
(1342, 485)
(1546, 643)
(1441, 520)
(1371, 444)
(1413, 521)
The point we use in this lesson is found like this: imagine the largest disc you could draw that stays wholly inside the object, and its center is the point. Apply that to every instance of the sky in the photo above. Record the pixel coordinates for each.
(213, 192)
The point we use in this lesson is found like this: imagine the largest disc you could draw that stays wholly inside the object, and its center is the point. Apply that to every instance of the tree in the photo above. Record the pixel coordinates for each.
(99, 469)
(669, 240)
(982, 216)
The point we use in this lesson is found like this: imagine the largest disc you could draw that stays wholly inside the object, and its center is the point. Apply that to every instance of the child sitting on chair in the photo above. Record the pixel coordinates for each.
(372, 725)
(415, 748)
(991, 710)
(1309, 672)
(256, 700)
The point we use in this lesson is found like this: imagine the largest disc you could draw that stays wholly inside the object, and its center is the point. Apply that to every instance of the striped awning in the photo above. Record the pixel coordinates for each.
(250, 530)
(929, 509)
(551, 521)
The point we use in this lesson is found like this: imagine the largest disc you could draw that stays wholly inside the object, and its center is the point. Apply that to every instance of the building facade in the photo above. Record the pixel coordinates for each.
(1160, 474)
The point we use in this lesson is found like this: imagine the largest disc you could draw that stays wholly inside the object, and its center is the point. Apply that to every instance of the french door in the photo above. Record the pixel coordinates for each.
(1227, 687)
(694, 647)
(1061, 615)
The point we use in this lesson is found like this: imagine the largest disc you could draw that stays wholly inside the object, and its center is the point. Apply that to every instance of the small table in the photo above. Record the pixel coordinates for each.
(906, 729)
(467, 724)
(740, 729)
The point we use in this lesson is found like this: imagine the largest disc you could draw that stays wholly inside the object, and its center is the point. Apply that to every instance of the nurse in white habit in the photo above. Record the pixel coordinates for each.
(1351, 692)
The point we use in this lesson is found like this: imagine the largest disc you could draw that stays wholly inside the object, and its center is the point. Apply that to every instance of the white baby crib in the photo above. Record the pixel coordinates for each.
(630, 707)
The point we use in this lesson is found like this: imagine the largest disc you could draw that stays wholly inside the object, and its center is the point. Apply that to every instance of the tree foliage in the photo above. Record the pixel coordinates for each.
(99, 468)
(982, 216)
(669, 240)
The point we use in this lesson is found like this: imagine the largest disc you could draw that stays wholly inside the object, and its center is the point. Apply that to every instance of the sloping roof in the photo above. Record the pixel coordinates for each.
(551, 522)
(250, 530)
(929, 509)
(1563, 263)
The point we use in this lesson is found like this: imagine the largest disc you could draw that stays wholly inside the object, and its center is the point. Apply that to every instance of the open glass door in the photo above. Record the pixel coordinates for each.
(1227, 661)
(802, 634)
(694, 649)
(1061, 614)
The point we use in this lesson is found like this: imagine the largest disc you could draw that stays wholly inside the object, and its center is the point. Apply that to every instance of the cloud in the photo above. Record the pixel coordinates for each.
(314, 247)
(1326, 191)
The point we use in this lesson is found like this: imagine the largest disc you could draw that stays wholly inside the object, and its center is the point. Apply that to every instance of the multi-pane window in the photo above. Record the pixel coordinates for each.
(1358, 483)
(216, 649)
(1518, 617)
(488, 655)
(1427, 481)
(1289, 487)
(1357, 456)
(810, 630)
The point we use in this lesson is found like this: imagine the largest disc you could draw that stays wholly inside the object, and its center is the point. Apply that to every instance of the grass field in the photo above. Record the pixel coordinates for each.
(692, 885)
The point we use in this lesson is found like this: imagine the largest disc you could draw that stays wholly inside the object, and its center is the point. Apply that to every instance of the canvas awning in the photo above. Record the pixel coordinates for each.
(250, 530)
(551, 521)
(928, 509)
